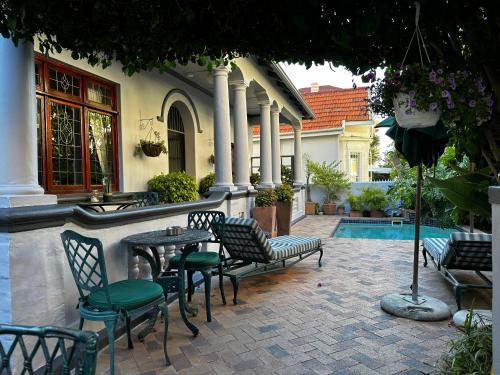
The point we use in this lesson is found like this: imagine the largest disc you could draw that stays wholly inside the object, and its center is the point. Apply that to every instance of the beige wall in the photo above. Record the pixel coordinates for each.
(141, 96)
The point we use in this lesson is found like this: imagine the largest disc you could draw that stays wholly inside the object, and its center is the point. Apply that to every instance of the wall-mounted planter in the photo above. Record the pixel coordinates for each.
(153, 150)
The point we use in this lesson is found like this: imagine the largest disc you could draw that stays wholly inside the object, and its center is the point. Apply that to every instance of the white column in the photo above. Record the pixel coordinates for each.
(266, 171)
(494, 194)
(297, 150)
(18, 140)
(222, 131)
(241, 154)
(275, 145)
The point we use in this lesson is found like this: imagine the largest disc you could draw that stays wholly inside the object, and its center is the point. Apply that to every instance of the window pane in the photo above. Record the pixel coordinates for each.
(39, 139)
(99, 93)
(100, 147)
(66, 127)
(38, 79)
(64, 82)
(176, 142)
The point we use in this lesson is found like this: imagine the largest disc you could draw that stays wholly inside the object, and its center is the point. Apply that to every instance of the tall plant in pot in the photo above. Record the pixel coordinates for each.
(310, 166)
(356, 205)
(264, 211)
(374, 199)
(333, 180)
(284, 197)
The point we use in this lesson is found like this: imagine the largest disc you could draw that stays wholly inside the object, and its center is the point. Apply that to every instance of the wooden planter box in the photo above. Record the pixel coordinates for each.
(283, 217)
(329, 208)
(377, 214)
(310, 208)
(266, 217)
(356, 213)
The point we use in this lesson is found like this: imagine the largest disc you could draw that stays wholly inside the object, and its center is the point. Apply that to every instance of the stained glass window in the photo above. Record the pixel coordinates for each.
(39, 146)
(64, 82)
(66, 140)
(98, 93)
(100, 147)
(38, 76)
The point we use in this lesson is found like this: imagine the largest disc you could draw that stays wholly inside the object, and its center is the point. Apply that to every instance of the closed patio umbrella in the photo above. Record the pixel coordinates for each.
(421, 146)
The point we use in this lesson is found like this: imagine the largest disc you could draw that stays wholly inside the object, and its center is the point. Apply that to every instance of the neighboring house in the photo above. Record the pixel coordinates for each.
(341, 130)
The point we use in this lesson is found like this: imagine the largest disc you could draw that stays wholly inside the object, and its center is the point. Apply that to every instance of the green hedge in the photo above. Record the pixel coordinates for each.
(174, 187)
(206, 183)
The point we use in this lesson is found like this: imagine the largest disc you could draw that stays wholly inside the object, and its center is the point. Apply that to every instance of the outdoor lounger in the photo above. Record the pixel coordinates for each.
(251, 253)
(461, 251)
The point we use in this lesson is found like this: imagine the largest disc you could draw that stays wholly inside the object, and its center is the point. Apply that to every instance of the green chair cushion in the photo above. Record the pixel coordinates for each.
(200, 259)
(126, 294)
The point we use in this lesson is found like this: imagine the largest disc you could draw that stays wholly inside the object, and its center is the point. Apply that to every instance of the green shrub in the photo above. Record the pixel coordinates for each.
(472, 353)
(265, 198)
(284, 193)
(254, 179)
(373, 198)
(174, 187)
(355, 202)
(206, 183)
(286, 175)
(329, 176)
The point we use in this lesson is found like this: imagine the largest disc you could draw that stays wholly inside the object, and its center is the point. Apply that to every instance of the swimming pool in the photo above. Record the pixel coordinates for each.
(388, 231)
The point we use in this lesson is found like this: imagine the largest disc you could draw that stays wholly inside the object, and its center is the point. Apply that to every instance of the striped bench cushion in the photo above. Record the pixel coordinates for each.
(436, 247)
(461, 250)
(287, 246)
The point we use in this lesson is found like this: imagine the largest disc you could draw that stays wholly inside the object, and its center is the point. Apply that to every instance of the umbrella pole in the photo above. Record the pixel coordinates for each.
(416, 243)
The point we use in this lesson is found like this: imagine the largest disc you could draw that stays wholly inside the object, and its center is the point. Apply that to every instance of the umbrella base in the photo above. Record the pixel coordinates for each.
(427, 309)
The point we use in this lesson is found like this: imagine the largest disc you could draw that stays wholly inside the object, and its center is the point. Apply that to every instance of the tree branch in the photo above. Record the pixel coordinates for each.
(490, 164)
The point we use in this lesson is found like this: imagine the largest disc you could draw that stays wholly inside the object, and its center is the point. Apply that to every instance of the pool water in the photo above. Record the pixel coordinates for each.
(389, 232)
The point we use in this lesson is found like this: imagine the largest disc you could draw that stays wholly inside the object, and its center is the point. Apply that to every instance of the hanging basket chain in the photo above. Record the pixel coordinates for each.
(420, 39)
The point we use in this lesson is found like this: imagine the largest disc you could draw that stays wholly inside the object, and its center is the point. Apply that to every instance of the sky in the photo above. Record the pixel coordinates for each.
(334, 76)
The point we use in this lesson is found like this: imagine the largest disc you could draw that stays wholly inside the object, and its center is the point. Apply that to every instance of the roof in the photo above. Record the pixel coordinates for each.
(331, 105)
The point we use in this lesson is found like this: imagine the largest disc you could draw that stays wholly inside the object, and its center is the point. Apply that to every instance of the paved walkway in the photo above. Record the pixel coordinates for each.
(308, 320)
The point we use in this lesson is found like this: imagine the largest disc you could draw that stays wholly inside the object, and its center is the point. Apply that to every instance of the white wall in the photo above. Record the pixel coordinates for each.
(141, 96)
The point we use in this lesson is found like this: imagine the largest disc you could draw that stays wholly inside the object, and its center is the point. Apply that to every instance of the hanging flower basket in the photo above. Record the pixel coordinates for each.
(153, 149)
(409, 117)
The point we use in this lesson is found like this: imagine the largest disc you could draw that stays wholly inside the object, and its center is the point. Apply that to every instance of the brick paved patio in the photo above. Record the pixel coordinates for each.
(286, 324)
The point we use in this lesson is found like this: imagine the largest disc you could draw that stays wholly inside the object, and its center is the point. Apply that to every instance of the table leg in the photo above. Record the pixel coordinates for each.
(182, 287)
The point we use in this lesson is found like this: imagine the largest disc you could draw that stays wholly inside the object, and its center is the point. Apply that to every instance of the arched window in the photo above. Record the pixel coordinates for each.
(176, 141)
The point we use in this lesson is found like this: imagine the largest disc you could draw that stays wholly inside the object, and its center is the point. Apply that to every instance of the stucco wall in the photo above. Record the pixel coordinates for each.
(356, 138)
(141, 96)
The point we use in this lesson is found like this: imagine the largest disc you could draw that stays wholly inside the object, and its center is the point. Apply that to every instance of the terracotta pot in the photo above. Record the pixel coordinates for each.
(107, 197)
(283, 217)
(329, 208)
(355, 213)
(341, 210)
(377, 214)
(310, 208)
(266, 217)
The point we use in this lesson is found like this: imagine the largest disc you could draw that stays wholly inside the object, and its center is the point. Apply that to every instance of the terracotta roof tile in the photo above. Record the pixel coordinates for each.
(332, 105)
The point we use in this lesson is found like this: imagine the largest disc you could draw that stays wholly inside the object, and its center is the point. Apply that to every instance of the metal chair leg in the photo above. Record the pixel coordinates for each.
(207, 279)
(190, 285)
(424, 253)
(129, 335)
(236, 283)
(458, 296)
(80, 326)
(320, 256)
(110, 329)
(164, 309)
(221, 283)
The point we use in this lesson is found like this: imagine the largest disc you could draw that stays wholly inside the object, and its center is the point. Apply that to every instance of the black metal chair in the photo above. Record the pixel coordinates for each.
(204, 261)
(146, 198)
(59, 350)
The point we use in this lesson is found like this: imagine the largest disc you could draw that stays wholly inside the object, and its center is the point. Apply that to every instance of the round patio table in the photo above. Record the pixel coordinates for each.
(189, 239)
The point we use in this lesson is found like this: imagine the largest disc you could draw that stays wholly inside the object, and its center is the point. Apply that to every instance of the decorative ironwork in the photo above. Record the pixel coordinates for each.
(64, 82)
(176, 141)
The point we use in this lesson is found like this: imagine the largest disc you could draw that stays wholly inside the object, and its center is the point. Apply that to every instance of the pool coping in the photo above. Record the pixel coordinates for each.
(383, 220)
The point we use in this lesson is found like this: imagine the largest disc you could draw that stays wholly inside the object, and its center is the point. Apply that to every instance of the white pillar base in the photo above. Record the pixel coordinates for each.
(11, 200)
(245, 187)
(264, 185)
(298, 183)
(223, 188)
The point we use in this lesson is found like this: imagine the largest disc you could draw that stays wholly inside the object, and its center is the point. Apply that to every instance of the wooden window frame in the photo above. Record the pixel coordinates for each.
(47, 95)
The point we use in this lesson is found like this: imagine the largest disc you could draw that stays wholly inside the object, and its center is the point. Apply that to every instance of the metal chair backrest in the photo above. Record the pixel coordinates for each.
(86, 260)
(146, 198)
(469, 251)
(205, 220)
(57, 350)
(245, 240)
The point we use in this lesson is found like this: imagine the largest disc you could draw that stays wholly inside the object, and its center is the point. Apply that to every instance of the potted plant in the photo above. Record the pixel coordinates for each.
(264, 211)
(284, 197)
(107, 195)
(356, 205)
(375, 200)
(174, 187)
(418, 96)
(154, 146)
(310, 206)
(332, 179)
(341, 209)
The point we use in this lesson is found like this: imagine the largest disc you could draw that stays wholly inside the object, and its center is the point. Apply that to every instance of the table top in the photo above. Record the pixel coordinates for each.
(160, 238)
(112, 203)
